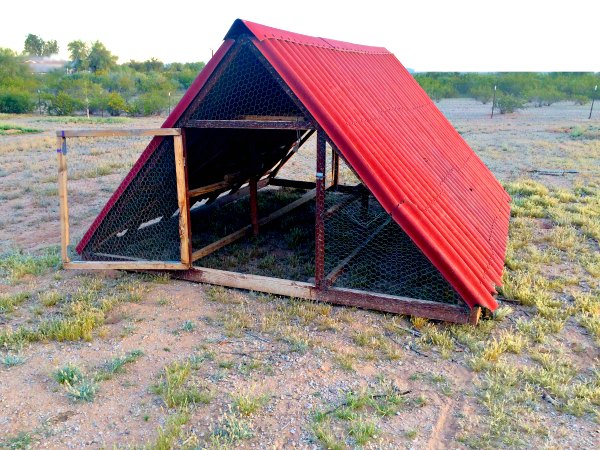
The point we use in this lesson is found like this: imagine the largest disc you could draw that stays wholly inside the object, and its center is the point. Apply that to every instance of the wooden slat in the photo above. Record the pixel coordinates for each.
(475, 315)
(337, 296)
(125, 265)
(251, 124)
(337, 270)
(254, 206)
(208, 188)
(272, 118)
(396, 304)
(338, 206)
(120, 132)
(183, 202)
(258, 283)
(232, 197)
(291, 153)
(213, 247)
(62, 193)
(297, 184)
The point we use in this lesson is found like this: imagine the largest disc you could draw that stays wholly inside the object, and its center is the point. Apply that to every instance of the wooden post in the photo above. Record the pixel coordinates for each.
(335, 167)
(182, 201)
(61, 151)
(320, 211)
(254, 206)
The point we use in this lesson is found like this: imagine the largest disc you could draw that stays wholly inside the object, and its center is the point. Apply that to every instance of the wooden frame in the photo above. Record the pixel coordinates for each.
(182, 201)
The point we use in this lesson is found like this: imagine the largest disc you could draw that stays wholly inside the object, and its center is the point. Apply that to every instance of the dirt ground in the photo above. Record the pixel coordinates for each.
(257, 371)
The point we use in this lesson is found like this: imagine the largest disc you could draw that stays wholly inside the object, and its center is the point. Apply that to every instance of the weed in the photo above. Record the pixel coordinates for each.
(51, 298)
(362, 430)
(175, 390)
(345, 361)
(117, 365)
(16, 265)
(9, 302)
(230, 429)
(23, 440)
(247, 403)
(411, 434)
(168, 436)
(69, 374)
(84, 390)
(323, 431)
(188, 326)
(12, 360)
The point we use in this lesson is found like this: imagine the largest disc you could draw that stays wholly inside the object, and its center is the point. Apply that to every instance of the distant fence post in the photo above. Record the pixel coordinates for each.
(593, 98)
(493, 103)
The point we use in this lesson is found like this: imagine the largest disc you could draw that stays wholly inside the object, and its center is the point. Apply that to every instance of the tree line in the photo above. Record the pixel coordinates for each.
(91, 82)
(514, 90)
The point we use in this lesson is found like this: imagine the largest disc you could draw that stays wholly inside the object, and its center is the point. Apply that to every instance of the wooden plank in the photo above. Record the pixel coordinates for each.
(271, 118)
(61, 143)
(232, 197)
(120, 132)
(236, 235)
(335, 167)
(337, 270)
(291, 153)
(338, 206)
(125, 265)
(254, 206)
(251, 124)
(337, 296)
(208, 189)
(258, 283)
(395, 304)
(474, 315)
(297, 184)
(183, 202)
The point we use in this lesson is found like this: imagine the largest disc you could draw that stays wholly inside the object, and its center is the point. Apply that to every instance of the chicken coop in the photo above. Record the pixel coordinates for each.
(310, 168)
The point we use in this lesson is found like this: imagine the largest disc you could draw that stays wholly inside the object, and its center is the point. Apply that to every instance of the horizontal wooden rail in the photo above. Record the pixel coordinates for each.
(337, 296)
(120, 132)
(208, 189)
(252, 124)
(125, 265)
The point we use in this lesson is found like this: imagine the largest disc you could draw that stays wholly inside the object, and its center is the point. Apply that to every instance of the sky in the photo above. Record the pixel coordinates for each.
(425, 35)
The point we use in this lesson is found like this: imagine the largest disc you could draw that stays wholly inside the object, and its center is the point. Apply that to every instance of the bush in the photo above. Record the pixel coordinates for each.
(150, 103)
(116, 104)
(62, 104)
(507, 103)
(16, 102)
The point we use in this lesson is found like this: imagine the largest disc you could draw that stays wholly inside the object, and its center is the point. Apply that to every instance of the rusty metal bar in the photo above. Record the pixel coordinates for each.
(320, 211)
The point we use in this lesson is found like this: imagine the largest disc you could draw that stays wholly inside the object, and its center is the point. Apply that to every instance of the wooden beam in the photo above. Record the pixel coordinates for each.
(337, 296)
(474, 315)
(291, 153)
(258, 283)
(254, 206)
(208, 189)
(236, 235)
(345, 202)
(251, 124)
(232, 197)
(120, 132)
(125, 265)
(271, 118)
(337, 270)
(61, 151)
(396, 304)
(335, 166)
(185, 234)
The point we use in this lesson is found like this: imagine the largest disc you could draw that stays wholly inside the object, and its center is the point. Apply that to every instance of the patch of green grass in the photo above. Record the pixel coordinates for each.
(188, 326)
(70, 374)
(12, 360)
(323, 431)
(51, 298)
(230, 429)
(362, 430)
(170, 433)
(21, 441)
(9, 302)
(411, 434)
(85, 390)
(6, 128)
(176, 390)
(117, 365)
(16, 265)
(247, 403)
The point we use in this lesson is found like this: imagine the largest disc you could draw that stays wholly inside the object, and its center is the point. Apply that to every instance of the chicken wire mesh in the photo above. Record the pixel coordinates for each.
(366, 249)
(143, 221)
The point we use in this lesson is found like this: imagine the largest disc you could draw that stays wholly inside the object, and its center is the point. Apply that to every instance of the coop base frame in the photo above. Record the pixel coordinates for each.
(321, 290)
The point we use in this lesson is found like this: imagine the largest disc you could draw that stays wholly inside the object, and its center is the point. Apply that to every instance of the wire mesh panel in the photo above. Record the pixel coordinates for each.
(143, 220)
(366, 249)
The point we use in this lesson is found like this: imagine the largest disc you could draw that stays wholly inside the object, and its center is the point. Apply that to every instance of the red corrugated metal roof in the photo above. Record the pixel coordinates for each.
(405, 151)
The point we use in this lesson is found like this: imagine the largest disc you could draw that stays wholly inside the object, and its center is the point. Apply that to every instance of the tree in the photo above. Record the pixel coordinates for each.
(100, 59)
(34, 45)
(79, 52)
(50, 48)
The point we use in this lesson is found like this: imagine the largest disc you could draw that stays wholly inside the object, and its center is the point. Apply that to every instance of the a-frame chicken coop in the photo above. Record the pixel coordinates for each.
(309, 168)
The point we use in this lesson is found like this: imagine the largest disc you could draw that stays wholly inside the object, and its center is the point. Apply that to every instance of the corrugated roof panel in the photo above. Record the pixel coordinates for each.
(405, 150)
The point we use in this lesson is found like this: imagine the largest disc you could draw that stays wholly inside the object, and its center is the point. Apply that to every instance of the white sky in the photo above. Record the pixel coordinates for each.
(426, 35)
